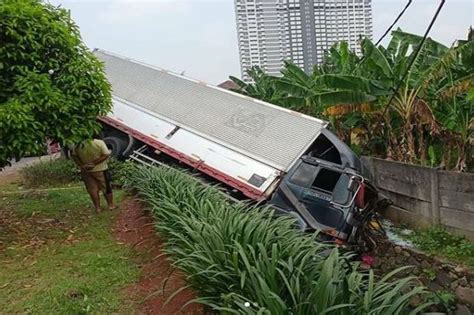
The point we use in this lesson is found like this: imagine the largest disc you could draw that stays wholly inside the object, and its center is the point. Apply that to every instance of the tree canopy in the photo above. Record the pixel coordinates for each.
(51, 84)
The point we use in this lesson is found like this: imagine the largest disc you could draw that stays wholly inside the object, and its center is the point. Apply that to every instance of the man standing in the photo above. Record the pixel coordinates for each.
(91, 156)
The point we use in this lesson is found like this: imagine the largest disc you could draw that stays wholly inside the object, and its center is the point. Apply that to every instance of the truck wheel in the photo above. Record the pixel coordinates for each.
(116, 145)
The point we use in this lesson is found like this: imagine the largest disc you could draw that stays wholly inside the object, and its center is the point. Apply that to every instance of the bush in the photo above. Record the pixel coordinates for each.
(51, 172)
(119, 170)
(241, 259)
(62, 171)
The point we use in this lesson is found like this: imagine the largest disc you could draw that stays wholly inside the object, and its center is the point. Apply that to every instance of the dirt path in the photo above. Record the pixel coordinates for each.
(158, 282)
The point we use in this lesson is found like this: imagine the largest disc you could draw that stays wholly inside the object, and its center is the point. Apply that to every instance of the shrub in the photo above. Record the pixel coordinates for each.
(51, 172)
(119, 170)
(62, 171)
(242, 259)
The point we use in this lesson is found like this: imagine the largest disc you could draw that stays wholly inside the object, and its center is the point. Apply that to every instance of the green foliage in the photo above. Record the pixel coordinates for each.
(443, 299)
(118, 170)
(243, 260)
(432, 108)
(430, 273)
(438, 241)
(51, 85)
(62, 171)
(50, 172)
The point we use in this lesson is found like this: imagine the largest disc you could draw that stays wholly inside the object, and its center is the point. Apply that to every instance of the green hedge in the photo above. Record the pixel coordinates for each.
(63, 171)
(241, 259)
(50, 172)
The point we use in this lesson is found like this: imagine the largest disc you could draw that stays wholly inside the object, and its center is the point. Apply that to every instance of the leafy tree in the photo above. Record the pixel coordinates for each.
(51, 85)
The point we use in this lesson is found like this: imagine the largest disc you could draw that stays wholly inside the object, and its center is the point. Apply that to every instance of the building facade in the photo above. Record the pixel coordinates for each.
(271, 31)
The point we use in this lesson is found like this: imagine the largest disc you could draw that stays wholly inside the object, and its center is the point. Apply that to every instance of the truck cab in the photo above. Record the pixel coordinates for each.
(325, 189)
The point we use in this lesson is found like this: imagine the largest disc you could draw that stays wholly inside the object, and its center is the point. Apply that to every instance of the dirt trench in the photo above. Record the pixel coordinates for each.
(134, 227)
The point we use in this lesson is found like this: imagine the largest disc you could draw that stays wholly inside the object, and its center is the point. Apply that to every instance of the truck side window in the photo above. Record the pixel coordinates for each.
(326, 180)
(341, 194)
(304, 174)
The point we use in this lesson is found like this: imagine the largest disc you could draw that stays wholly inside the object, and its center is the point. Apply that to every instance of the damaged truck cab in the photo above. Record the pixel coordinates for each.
(325, 189)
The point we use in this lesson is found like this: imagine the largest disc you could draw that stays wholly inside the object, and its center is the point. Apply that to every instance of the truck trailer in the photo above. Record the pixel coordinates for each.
(267, 153)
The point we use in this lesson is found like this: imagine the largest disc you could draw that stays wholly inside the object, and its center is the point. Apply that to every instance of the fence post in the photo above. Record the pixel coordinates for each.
(435, 213)
(369, 163)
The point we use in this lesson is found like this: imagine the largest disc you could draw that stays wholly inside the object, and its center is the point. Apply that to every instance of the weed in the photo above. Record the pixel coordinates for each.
(443, 299)
(119, 170)
(438, 241)
(430, 273)
(62, 171)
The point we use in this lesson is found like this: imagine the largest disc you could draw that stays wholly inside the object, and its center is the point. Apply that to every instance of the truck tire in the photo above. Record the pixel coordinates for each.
(116, 145)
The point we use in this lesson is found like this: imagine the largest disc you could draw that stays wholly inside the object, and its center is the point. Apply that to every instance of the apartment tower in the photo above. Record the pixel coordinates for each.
(271, 31)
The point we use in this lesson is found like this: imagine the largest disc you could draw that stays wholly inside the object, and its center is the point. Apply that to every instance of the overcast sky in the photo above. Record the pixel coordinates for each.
(199, 36)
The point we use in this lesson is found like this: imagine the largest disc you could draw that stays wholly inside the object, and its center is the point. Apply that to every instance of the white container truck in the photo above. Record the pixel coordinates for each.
(268, 153)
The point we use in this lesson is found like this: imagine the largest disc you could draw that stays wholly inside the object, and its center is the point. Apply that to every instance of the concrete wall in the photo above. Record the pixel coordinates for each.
(424, 196)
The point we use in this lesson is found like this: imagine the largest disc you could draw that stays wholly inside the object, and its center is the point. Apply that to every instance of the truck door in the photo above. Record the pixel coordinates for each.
(328, 186)
(319, 192)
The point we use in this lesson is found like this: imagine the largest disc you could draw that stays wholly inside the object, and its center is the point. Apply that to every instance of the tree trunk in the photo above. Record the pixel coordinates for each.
(461, 162)
(410, 139)
(447, 155)
(421, 145)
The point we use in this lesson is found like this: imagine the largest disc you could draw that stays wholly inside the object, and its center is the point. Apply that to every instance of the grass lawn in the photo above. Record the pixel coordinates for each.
(57, 257)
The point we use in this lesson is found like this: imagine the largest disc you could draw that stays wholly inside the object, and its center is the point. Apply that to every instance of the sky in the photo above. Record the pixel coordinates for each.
(199, 38)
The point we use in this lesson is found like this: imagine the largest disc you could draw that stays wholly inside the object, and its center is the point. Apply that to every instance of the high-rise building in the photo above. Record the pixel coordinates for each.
(271, 31)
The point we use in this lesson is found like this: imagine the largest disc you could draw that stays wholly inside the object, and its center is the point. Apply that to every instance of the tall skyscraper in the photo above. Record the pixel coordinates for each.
(271, 31)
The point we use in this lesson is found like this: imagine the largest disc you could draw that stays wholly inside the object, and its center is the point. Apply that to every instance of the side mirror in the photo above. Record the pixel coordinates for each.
(353, 184)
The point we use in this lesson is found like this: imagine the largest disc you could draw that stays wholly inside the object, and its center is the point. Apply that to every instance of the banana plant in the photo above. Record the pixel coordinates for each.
(316, 92)
(402, 112)
(262, 86)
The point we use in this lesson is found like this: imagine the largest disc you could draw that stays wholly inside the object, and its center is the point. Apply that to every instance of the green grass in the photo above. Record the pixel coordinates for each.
(50, 202)
(60, 258)
(10, 187)
(438, 241)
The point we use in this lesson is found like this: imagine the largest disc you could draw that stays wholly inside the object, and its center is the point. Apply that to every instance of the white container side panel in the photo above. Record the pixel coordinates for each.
(270, 134)
(136, 119)
(217, 156)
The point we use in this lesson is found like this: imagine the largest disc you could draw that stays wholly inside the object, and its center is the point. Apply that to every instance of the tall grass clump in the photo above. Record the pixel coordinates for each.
(241, 259)
(50, 172)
